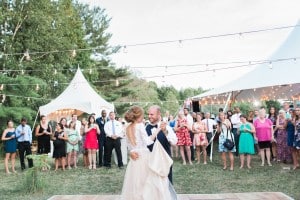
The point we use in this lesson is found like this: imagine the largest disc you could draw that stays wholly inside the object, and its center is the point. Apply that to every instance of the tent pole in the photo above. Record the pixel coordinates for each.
(227, 101)
(35, 119)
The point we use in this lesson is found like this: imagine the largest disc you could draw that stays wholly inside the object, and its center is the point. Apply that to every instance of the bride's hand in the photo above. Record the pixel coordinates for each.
(134, 155)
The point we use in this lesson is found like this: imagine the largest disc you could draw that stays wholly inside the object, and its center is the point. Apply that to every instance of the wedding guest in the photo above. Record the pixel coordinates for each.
(264, 136)
(72, 144)
(273, 117)
(184, 139)
(296, 140)
(200, 140)
(235, 121)
(246, 131)
(174, 148)
(224, 127)
(43, 133)
(283, 151)
(113, 130)
(210, 124)
(190, 121)
(10, 147)
(24, 137)
(63, 121)
(101, 121)
(250, 116)
(82, 148)
(91, 142)
(59, 142)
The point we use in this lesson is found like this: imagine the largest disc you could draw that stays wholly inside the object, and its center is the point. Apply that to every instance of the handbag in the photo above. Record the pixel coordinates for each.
(229, 144)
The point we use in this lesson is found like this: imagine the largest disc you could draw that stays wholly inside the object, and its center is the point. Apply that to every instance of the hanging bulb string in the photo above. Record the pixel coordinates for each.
(211, 36)
(125, 46)
(250, 64)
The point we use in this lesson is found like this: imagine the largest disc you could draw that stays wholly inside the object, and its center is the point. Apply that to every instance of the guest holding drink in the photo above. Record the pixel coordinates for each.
(246, 131)
(200, 140)
(10, 148)
(43, 132)
(59, 143)
(72, 144)
(91, 141)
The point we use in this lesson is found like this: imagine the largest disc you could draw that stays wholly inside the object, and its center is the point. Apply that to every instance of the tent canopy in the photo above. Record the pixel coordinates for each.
(281, 81)
(78, 97)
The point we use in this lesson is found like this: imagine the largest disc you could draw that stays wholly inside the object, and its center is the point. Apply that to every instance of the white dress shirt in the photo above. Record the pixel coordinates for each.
(27, 136)
(235, 120)
(210, 125)
(109, 130)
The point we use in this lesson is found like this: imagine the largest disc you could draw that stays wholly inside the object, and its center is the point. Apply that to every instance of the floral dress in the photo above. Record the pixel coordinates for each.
(222, 138)
(296, 143)
(183, 135)
(283, 151)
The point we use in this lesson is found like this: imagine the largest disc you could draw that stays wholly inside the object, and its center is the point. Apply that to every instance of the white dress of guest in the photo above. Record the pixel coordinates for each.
(138, 170)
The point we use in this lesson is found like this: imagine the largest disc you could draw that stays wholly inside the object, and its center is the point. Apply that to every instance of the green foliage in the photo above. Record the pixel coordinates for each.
(245, 107)
(33, 181)
(273, 103)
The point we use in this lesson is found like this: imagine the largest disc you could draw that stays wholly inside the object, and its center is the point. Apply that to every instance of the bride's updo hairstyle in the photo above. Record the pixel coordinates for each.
(134, 113)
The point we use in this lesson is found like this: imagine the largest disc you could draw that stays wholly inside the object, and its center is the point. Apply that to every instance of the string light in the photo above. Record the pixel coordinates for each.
(37, 87)
(125, 46)
(55, 71)
(1, 87)
(73, 53)
(270, 65)
(117, 83)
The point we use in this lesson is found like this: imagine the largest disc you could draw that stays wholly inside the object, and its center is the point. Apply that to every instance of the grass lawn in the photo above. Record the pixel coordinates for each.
(188, 179)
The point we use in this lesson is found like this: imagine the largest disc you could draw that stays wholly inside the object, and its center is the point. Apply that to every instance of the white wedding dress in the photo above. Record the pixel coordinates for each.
(141, 182)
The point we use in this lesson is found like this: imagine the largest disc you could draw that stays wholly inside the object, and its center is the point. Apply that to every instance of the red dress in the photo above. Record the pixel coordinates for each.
(183, 135)
(91, 141)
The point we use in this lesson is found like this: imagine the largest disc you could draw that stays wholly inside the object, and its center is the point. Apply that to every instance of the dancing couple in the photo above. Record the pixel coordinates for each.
(149, 171)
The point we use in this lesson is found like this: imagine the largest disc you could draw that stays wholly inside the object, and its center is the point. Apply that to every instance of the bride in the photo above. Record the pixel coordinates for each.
(140, 180)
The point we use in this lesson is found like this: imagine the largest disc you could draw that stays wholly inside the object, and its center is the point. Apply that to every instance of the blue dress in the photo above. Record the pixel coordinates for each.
(11, 144)
(290, 128)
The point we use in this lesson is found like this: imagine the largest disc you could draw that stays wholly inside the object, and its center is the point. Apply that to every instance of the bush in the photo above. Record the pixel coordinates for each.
(33, 181)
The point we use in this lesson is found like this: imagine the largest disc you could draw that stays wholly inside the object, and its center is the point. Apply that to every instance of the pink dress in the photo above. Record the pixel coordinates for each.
(183, 134)
(200, 138)
(91, 141)
(263, 130)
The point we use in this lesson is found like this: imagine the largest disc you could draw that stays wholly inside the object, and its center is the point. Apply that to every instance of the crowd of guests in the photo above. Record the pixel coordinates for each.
(274, 136)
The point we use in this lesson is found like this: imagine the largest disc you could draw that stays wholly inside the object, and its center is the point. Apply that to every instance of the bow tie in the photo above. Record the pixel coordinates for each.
(153, 126)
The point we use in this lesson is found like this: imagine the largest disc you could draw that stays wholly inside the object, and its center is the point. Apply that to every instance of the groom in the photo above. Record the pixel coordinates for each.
(166, 136)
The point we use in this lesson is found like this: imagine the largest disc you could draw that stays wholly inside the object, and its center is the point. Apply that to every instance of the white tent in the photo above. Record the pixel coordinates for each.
(78, 97)
(281, 81)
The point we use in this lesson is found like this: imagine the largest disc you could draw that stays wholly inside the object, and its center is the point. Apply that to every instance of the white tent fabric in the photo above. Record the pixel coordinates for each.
(282, 81)
(78, 96)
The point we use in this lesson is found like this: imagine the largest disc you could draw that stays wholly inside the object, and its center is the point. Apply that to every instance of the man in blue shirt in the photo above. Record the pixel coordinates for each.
(24, 137)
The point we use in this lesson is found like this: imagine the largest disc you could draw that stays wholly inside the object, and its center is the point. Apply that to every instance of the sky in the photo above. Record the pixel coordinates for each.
(146, 21)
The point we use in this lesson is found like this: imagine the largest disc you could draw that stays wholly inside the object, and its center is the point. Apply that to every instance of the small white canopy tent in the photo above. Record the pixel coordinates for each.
(78, 97)
(282, 81)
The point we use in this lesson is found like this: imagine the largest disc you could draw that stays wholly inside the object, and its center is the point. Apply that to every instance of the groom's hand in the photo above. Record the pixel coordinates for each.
(134, 155)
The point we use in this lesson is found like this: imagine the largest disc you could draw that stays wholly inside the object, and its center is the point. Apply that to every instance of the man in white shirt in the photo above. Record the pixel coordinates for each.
(190, 122)
(114, 133)
(209, 123)
(235, 120)
(24, 137)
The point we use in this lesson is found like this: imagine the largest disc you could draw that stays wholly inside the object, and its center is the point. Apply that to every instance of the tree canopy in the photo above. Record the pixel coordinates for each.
(43, 42)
